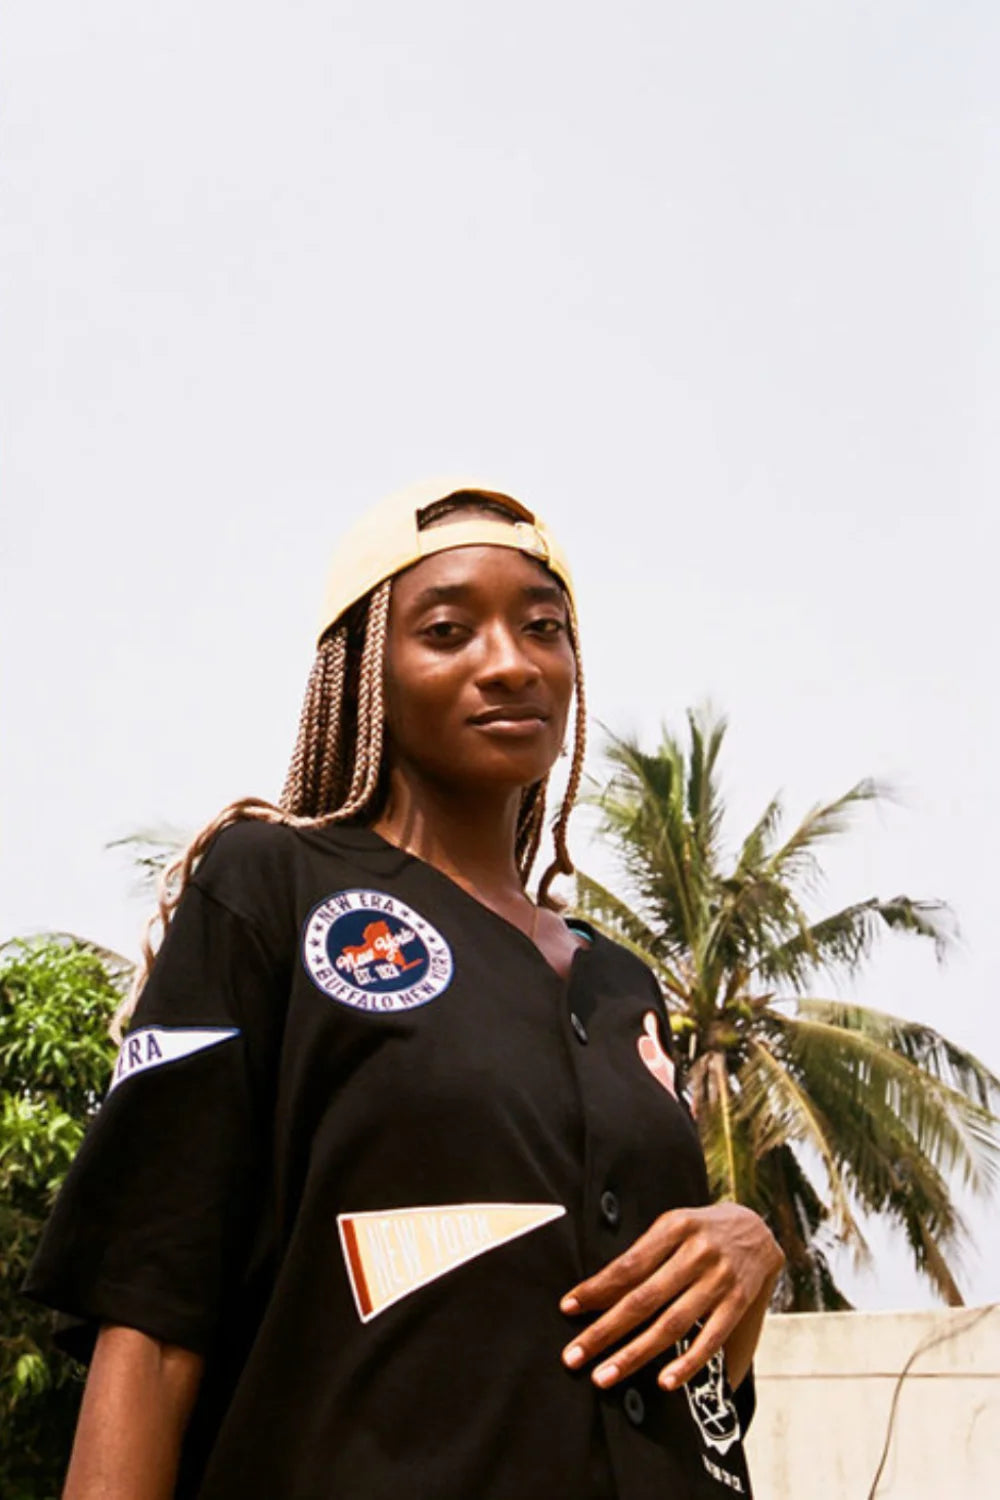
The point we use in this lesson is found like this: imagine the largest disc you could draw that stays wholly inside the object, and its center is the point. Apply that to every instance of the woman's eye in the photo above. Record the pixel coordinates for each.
(549, 625)
(443, 631)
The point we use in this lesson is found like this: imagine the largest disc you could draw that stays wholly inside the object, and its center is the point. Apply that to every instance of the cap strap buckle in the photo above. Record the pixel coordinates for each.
(484, 531)
(530, 539)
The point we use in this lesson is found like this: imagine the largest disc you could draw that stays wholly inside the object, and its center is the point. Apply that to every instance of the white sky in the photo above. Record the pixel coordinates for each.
(715, 286)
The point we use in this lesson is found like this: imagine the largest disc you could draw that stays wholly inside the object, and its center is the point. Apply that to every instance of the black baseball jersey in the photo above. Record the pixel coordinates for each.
(359, 1141)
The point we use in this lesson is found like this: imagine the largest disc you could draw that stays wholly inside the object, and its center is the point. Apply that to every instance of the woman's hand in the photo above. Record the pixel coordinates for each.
(716, 1264)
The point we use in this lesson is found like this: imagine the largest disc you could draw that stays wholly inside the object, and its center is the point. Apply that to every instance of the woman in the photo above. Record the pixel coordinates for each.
(392, 1193)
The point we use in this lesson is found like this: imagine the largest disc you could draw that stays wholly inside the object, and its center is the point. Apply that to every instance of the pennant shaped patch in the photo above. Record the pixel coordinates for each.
(394, 1253)
(152, 1046)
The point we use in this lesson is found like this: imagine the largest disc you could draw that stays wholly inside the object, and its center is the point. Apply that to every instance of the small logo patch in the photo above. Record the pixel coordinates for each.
(370, 951)
(652, 1053)
(711, 1407)
(152, 1046)
(391, 1254)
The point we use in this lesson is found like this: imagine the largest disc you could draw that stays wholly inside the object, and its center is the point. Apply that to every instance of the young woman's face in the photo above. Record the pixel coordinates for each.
(479, 668)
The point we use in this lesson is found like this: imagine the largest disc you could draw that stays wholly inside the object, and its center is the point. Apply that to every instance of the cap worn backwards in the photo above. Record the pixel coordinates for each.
(388, 539)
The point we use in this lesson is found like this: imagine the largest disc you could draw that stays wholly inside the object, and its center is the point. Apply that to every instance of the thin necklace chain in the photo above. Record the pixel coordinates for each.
(470, 885)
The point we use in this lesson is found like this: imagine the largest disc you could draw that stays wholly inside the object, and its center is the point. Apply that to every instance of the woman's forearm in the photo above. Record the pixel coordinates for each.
(135, 1408)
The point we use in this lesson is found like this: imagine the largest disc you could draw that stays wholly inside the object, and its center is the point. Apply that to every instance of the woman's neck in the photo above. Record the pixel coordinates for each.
(470, 836)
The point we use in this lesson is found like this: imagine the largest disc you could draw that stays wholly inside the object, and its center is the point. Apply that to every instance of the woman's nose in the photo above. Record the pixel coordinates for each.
(507, 661)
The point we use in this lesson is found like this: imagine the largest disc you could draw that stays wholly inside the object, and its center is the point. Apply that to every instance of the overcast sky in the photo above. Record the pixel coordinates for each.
(714, 286)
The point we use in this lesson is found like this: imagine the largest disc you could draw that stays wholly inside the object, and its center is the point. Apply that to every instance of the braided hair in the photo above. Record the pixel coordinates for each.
(338, 771)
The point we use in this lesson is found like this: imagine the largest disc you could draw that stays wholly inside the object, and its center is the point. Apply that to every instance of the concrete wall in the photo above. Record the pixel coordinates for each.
(826, 1383)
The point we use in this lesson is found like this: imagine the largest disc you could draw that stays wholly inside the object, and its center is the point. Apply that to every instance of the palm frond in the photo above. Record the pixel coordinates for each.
(888, 1171)
(931, 1260)
(642, 807)
(798, 1217)
(952, 1131)
(768, 1087)
(705, 808)
(845, 939)
(927, 1049)
(748, 917)
(720, 1142)
(754, 847)
(795, 859)
(152, 851)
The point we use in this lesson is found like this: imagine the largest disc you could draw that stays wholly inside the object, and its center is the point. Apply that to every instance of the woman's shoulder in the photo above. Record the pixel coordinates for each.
(253, 858)
(245, 851)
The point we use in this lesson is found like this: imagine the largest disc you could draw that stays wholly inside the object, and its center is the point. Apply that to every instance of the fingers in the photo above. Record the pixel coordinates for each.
(639, 1261)
(709, 1341)
(702, 1300)
(660, 1336)
(656, 1295)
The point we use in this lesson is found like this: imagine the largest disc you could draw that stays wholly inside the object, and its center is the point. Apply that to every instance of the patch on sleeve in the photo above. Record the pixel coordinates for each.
(152, 1046)
(391, 1254)
(716, 1419)
(370, 951)
(712, 1408)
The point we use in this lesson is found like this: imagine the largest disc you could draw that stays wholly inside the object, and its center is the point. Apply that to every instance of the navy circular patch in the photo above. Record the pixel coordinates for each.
(370, 951)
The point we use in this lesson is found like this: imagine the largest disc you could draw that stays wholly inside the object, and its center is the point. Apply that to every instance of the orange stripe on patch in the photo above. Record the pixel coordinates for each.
(362, 1295)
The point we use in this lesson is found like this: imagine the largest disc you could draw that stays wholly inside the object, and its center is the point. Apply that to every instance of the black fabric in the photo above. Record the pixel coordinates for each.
(745, 1400)
(348, 1054)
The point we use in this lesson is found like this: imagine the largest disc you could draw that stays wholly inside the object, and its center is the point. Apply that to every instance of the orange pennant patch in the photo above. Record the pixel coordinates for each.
(391, 1254)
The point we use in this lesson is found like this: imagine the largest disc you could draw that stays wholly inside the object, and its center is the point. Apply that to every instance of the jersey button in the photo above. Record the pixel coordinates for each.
(635, 1407)
(579, 1028)
(611, 1209)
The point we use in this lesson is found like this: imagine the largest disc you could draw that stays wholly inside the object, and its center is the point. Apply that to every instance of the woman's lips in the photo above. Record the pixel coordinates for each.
(515, 728)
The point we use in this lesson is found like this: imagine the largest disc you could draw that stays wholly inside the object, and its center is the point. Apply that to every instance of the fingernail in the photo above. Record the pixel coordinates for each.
(569, 1305)
(668, 1380)
(573, 1356)
(606, 1374)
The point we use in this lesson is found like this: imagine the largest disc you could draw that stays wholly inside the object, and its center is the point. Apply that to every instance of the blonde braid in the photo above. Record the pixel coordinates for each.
(530, 827)
(371, 709)
(319, 747)
(563, 864)
(331, 736)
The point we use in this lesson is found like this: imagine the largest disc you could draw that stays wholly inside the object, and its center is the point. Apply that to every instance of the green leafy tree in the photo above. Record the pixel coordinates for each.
(813, 1111)
(57, 995)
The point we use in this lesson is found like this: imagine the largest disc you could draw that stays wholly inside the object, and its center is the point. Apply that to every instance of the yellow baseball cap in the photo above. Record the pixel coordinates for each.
(388, 539)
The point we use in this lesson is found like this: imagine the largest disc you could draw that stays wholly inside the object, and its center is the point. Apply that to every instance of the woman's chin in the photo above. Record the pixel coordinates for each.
(515, 770)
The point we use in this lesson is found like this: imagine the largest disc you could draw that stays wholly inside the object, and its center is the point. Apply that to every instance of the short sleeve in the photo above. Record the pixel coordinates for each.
(154, 1223)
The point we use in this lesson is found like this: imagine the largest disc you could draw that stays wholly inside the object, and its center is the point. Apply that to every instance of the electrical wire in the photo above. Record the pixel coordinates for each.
(930, 1342)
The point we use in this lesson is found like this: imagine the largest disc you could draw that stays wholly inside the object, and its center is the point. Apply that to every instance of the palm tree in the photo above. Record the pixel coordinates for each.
(152, 850)
(812, 1111)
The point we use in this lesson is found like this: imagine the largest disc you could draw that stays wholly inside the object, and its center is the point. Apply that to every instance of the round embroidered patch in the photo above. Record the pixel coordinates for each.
(369, 950)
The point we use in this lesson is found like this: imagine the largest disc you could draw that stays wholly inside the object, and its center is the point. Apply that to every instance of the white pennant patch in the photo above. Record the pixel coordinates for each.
(393, 1253)
(152, 1046)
